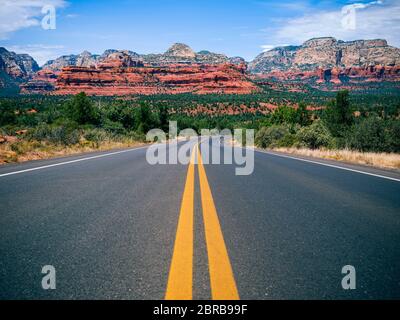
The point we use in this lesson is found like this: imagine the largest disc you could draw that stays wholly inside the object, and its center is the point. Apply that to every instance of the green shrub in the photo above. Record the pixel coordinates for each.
(7, 114)
(144, 118)
(95, 135)
(22, 147)
(284, 114)
(375, 135)
(274, 136)
(314, 136)
(113, 127)
(128, 118)
(393, 136)
(303, 115)
(82, 110)
(27, 120)
(55, 134)
(289, 140)
(338, 115)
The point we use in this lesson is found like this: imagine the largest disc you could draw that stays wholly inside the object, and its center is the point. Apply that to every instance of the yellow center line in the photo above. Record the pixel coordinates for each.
(223, 286)
(180, 280)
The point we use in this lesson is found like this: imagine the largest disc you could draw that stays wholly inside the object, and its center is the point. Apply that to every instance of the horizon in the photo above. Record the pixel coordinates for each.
(196, 51)
(243, 28)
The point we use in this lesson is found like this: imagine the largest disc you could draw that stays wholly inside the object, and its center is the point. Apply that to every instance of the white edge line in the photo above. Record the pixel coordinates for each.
(328, 165)
(69, 162)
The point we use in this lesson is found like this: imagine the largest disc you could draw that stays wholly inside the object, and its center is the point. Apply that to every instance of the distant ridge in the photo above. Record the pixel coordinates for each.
(318, 60)
(177, 53)
(327, 52)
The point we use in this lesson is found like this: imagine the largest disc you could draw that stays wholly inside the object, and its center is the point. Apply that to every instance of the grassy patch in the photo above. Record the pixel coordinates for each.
(21, 151)
(379, 160)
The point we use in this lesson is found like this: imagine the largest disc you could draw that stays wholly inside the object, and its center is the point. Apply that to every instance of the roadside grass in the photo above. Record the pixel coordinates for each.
(24, 150)
(379, 160)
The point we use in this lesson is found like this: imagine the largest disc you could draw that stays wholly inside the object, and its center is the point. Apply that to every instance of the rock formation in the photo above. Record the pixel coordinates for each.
(85, 59)
(117, 72)
(177, 53)
(120, 75)
(183, 54)
(336, 75)
(329, 60)
(17, 66)
(318, 61)
(327, 53)
(44, 81)
(180, 50)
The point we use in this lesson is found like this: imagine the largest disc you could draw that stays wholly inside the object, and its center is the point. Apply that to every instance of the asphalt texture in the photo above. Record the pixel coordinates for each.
(108, 226)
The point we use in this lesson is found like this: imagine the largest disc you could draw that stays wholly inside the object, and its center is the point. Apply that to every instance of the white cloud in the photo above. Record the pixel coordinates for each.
(40, 52)
(363, 5)
(20, 14)
(72, 16)
(267, 47)
(375, 19)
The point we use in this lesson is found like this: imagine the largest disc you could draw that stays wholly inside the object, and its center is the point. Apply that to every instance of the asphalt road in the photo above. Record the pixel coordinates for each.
(109, 226)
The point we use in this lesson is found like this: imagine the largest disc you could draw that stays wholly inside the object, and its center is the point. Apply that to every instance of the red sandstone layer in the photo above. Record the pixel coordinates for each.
(113, 78)
(338, 76)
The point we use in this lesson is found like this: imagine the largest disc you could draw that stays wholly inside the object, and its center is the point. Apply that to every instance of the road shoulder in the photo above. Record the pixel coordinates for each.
(392, 174)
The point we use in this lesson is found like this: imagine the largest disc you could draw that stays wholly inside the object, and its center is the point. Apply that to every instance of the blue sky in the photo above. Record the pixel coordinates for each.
(234, 27)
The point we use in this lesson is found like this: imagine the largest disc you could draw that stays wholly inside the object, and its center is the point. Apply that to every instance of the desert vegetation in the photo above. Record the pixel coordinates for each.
(339, 131)
(33, 127)
(43, 127)
(338, 126)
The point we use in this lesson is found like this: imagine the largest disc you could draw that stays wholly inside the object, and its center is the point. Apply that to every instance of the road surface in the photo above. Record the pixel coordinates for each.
(115, 227)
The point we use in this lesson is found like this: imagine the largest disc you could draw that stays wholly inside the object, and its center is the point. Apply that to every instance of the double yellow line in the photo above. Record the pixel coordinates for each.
(180, 280)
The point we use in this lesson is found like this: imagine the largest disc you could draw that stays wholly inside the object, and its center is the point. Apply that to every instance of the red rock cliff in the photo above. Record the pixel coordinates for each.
(338, 76)
(119, 76)
(43, 81)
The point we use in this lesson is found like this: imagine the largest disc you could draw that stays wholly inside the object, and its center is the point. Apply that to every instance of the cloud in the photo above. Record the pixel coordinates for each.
(72, 16)
(375, 19)
(40, 52)
(267, 47)
(362, 5)
(20, 14)
(291, 6)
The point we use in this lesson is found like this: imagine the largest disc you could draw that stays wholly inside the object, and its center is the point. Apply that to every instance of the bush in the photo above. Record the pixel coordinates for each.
(144, 118)
(27, 120)
(120, 111)
(113, 127)
(284, 114)
(274, 136)
(95, 135)
(315, 136)
(393, 136)
(55, 134)
(128, 118)
(303, 115)
(7, 114)
(338, 115)
(82, 110)
(375, 135)
(22, 147)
